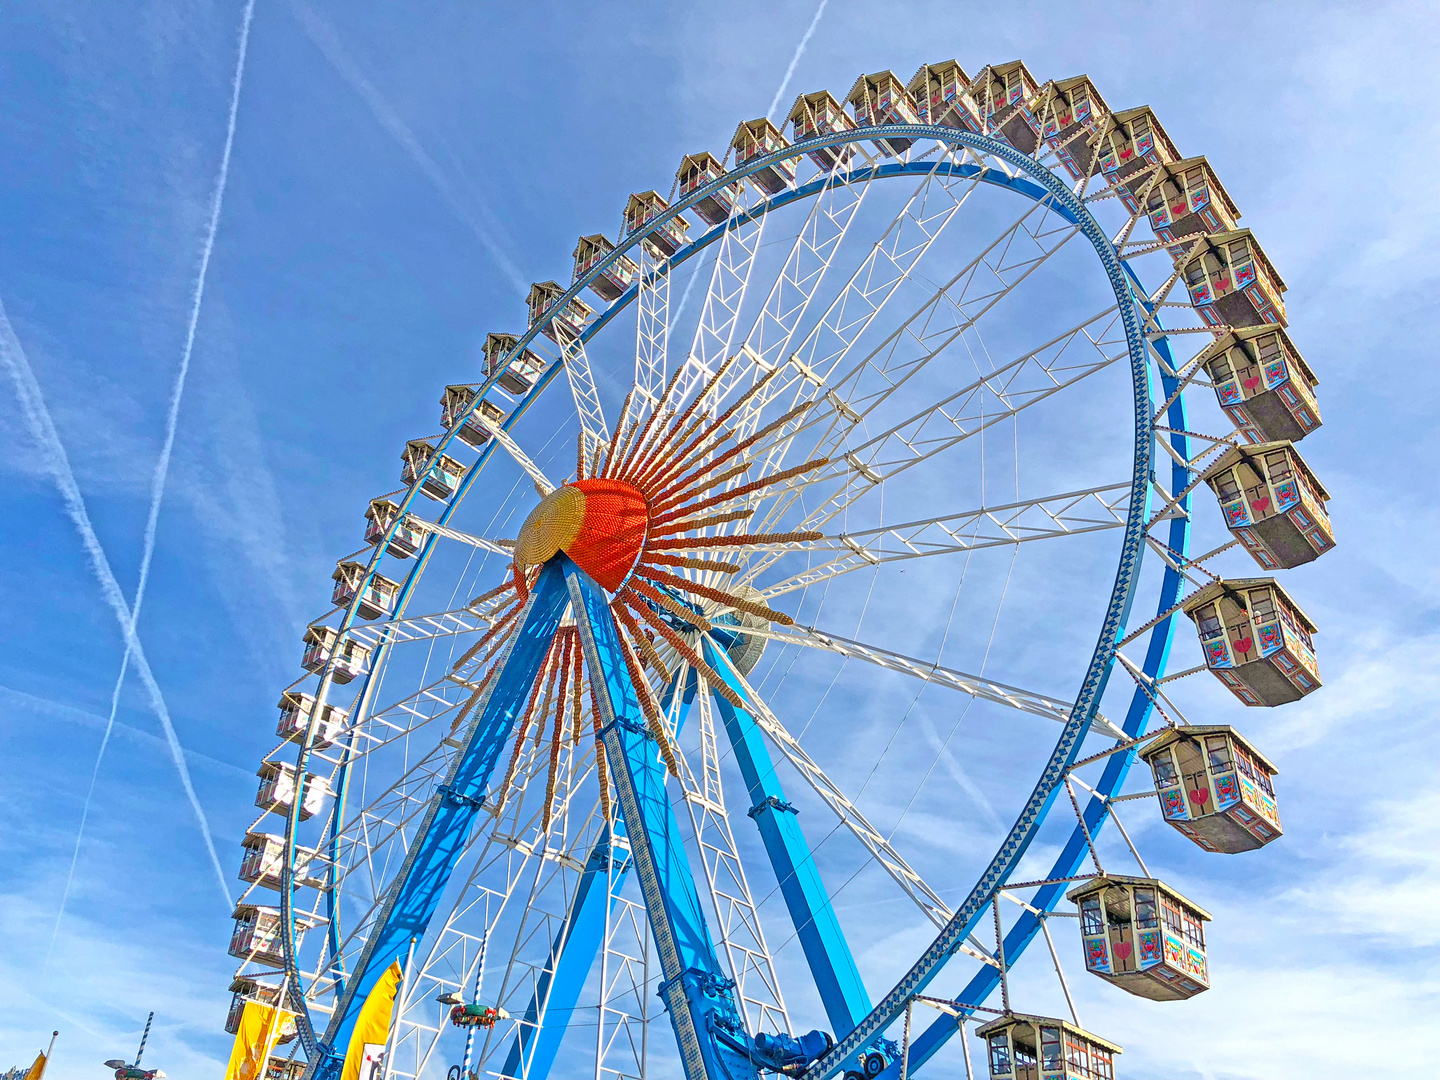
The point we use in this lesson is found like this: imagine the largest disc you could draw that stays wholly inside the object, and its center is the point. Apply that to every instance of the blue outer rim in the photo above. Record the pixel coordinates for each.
(1037, 183)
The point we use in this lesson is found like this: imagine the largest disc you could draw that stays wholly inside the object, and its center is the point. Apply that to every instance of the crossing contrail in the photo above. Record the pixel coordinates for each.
(52, 450)
(162, 466)
(794, 60)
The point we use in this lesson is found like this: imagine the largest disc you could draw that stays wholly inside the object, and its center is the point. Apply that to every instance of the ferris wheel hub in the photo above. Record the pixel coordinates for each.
(600, 523)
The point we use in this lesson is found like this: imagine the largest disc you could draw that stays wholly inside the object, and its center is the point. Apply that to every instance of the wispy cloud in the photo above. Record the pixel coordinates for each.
(795, 60)
(162, 466)
(326, 40)
(52, 450)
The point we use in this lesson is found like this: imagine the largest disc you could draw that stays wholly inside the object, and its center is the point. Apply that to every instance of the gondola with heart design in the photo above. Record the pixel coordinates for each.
(1256, 640)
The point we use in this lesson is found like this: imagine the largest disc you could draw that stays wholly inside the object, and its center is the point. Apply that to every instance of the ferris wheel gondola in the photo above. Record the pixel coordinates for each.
(512, 772)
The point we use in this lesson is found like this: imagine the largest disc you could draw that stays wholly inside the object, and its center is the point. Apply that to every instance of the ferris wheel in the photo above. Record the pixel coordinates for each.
(748, 669)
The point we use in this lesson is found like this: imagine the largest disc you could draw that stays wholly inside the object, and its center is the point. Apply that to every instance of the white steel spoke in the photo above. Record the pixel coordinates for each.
(417, 627)
(1070, 514)
(974, 685)
(503, 437)
(497, 547)
(849, 815)
(437, 624)
(587, 401)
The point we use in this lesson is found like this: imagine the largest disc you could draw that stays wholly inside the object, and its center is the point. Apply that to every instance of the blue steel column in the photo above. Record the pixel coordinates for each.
(571, 955)
(442, 834)
(576, 943)
(695, 991)
(837, 978)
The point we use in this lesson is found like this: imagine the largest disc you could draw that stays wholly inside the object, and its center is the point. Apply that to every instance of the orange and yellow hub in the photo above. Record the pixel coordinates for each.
(599, 523)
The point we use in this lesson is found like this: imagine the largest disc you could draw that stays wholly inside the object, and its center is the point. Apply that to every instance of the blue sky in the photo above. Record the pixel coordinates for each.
(397, 180)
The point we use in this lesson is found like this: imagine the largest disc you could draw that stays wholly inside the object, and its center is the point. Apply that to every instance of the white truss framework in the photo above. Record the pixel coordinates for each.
(870, 287)
(626, 1005)
(737, 922)
(652, 330)
(806, 264)
(420, 627)
(974, 685)
(495, 547)
(587, 400)
(503, 437)
(729, 282)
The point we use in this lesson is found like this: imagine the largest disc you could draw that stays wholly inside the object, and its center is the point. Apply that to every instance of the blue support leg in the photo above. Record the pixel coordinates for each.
(695, 991)
(442, 833)
(573, 951)
(837, 978)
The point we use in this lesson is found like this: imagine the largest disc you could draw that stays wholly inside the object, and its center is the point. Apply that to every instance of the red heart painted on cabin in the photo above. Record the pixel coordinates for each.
(1222, 283)
(1243, 645)
(1260, 505)
(1178, 209)
(1201, 796)
(1252, 382)
(1123, 950)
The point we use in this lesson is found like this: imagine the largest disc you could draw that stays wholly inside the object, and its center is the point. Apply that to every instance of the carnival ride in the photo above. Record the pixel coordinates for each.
(601, 628)
(132, 1070)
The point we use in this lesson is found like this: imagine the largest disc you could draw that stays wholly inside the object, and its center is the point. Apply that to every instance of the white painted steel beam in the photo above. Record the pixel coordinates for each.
(975, 685)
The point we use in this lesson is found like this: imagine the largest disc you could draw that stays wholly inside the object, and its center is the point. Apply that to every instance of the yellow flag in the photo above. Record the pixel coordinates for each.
(38, 1069)
(255, 1038)
(372, 1028)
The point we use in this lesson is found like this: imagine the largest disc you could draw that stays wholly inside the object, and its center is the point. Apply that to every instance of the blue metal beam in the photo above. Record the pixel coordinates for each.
(572, 953)
(695, 991)
(832, 965)
(442, 833)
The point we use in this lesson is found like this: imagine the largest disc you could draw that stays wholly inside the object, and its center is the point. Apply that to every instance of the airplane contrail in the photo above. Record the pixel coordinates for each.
(326, 40)
(794, 60)
(42, 429)
(162, 465)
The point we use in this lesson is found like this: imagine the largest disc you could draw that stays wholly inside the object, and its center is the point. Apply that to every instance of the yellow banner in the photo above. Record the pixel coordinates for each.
(38, 1069)
(364, 1059)
(254, 1039)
